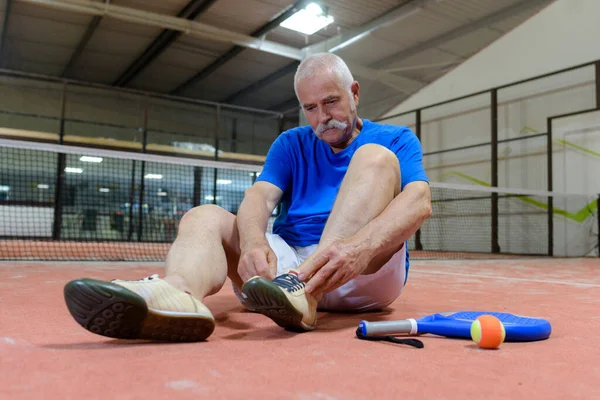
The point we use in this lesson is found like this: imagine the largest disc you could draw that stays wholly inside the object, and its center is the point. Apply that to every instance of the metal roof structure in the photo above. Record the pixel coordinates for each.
(236, 52)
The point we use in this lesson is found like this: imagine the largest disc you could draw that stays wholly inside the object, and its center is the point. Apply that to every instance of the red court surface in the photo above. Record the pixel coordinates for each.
(46, 355)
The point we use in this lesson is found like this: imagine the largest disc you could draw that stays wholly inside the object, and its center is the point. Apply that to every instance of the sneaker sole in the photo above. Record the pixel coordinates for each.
(266, 298)
(111, 310)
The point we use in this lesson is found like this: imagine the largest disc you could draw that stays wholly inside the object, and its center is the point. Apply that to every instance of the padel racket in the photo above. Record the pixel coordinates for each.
(458, 324)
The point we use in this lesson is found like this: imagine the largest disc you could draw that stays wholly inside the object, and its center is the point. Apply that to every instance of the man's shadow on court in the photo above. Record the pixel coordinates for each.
(328, 321)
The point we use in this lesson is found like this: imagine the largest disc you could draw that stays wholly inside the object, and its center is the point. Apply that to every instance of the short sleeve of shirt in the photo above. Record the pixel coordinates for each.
(410, 154)
(277, 168)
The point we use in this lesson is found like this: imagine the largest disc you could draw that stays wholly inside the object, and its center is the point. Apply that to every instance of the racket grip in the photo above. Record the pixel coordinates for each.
(379, 328)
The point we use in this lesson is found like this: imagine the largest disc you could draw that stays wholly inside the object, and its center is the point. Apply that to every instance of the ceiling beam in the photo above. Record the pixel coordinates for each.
(192, 10)
(461, 31)
(280, 73)
(3, 58)
(400, 83)
(342, 40)
(81, 45)
(188, 27)
(236, 50)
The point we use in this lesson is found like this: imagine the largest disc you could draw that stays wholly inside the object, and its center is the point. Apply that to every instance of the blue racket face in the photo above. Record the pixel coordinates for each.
(458, 324)
(506, 318)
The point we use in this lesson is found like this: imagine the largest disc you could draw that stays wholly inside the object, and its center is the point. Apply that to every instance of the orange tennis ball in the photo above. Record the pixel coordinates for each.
(488, 332)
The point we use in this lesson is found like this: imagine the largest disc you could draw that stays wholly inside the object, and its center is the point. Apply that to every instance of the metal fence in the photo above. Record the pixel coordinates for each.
(415, 118)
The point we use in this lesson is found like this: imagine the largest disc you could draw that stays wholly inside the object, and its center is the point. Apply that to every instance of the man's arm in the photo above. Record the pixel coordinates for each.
(398, 221)
(257, 258)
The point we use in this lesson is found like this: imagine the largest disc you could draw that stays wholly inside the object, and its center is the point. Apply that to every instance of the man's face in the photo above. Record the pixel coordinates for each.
(329, 108)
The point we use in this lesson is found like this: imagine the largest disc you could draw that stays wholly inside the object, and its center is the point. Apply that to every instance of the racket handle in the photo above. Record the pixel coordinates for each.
(388, 328)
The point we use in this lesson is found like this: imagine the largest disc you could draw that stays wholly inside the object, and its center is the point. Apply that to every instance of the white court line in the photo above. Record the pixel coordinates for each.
(504, 278)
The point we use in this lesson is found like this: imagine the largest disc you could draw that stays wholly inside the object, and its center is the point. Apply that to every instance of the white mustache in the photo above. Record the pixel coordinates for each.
(333, 124)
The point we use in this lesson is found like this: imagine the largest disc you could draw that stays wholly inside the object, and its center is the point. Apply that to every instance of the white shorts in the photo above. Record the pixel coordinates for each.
(363, 293)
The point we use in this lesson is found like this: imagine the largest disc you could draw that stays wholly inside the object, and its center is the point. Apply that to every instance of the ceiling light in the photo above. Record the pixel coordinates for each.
(72, 170)
(223, 182)
(43, 186)
(4, 188)
(153, 176)
(91, 159)
(104, 190)
(209, 198)
(308, 20)
(161, 193)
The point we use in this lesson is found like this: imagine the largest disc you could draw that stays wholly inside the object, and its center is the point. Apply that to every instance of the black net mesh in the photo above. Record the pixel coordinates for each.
(70, 203)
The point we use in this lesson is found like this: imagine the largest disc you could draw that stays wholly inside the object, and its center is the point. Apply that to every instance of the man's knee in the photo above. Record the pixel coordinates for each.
(208, 215)
(379, 162)
(377, 157)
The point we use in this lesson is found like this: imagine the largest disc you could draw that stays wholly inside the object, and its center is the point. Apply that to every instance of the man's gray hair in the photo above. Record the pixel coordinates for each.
(316, 63)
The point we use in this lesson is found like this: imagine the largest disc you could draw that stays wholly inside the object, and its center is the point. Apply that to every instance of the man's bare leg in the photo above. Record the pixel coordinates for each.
(370, 184)
(205, 252)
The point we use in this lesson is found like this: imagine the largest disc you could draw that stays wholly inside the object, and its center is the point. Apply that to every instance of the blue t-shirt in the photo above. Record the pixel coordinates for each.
(310, 174)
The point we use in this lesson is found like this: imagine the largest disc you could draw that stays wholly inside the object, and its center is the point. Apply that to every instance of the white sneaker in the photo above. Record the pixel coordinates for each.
(282, 299)
(149, 308)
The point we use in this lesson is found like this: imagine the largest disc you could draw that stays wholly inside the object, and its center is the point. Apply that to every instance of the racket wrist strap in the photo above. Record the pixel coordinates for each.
(410, 342)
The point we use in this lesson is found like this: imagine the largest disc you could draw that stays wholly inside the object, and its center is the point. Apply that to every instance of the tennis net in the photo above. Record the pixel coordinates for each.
(74, 203)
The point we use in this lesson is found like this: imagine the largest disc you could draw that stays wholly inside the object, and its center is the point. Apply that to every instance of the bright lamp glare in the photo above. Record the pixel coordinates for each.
(153, 176)
(314, 9)
(223, 182)
(308, 20)
(72, 170)
(91, 159)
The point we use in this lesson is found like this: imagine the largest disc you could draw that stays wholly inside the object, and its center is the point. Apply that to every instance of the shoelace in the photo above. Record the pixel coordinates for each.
(289, 282)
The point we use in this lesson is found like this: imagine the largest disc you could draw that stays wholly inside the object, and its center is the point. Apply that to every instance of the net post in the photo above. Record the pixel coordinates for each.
(60, 171)
(550, 187)
(217, 133)
(597, 71)
(418, 243)
(598, 215)
(197, 186)
(131, 201)
(494, 161)
(140, 227)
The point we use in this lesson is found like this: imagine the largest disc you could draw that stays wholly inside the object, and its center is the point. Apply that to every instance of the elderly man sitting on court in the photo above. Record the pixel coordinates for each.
(352, 192)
